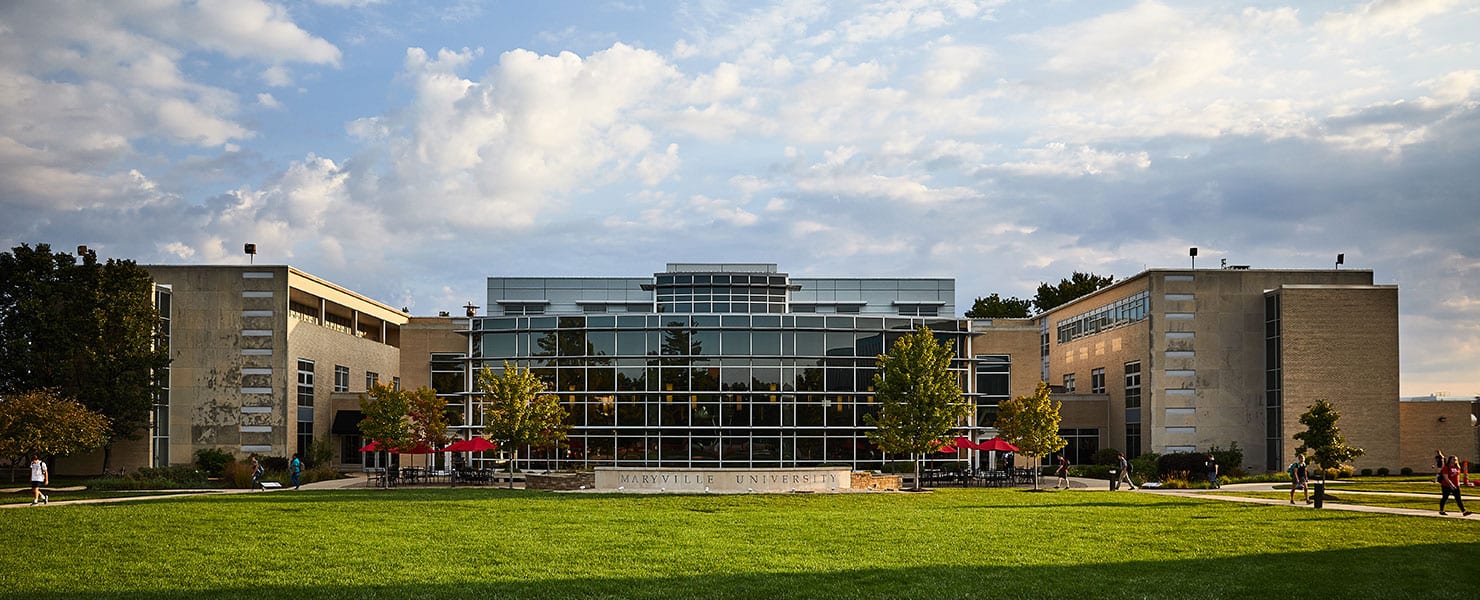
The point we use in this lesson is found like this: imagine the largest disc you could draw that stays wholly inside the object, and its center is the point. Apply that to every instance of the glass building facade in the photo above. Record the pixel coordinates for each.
(714, 365)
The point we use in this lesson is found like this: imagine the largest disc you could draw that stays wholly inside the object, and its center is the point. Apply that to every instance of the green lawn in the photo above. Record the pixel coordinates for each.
(481, 543)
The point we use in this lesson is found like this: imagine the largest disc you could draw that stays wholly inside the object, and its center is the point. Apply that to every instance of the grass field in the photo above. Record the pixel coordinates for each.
(972, 543)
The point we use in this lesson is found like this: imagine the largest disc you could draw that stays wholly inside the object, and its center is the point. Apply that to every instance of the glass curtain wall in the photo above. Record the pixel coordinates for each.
(703, 390)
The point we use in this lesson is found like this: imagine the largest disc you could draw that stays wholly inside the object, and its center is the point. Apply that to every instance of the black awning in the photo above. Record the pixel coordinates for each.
(347, 422)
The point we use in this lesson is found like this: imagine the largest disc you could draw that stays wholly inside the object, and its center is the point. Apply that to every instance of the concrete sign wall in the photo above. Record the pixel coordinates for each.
(820, 479)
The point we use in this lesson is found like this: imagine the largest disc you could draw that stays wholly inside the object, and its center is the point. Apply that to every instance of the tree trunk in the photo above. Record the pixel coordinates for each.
(107, 457)
(512, 459)
(917, 472)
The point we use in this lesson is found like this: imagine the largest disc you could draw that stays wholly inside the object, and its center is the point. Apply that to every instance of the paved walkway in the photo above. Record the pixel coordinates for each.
(358, 481)
(1270, 487)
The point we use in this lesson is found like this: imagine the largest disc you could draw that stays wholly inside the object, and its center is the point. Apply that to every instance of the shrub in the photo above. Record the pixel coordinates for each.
(273, 463)
(1175, 480)
(1183, 462)
(1261, 478)
(319, 453)
(1106, 456)
(1090, 471)
(1231, 460)
(1405, 471)
(172, 476)
(239, 475)
(1144, 466)
(899, 466)
(1366, 472)
(319, 473)
(1383, 471)
(212, 460)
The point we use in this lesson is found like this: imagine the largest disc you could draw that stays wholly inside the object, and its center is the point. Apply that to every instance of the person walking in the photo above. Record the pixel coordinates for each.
(39, 476)
(1449, 480)
(296, 468)
(1298, 478)
(1125, 470)
(257, 474)
(1062, 473)
(1211, 465)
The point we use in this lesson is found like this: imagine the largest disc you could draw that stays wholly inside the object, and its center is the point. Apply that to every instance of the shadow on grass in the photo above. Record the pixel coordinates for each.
(1387, 572)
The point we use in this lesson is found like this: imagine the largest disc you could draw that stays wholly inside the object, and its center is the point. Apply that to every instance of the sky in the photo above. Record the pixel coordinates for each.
(409, 150)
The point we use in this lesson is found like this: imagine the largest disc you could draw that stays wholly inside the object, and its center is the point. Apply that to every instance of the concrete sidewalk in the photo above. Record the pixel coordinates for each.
(1270, 487)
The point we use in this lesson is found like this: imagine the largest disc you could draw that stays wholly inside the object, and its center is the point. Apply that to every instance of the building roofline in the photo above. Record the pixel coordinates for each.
(1168, 270)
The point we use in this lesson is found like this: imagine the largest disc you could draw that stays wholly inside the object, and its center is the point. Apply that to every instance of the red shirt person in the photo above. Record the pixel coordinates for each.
(1449, 481)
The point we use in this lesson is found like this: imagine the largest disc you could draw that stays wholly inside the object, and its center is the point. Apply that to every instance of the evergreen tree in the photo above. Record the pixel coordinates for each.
(919, 398)
(1032, 424)
(1322, 440)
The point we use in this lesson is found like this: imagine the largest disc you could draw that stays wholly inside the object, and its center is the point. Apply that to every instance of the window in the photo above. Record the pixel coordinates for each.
(1097, 381)
(1133, 385)
(1122, 312)
(1132, 409)
(1069, 382)
(341, 378)
(1082, 445)
(371, 378)
(395, 383)
(305, 382)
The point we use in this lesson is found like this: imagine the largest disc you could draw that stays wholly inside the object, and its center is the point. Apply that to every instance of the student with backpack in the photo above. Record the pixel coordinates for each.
(296, 468)
(1297, 471)
(257, 473)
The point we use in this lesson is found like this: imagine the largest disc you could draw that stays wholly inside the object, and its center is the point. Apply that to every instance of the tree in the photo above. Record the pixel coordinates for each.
(919, 398)
(517, 412)
(1079, 284)
(1032, 424)
(400, 420)
(1322, 439)
(87, 330)
(42, 423)
(997, 307)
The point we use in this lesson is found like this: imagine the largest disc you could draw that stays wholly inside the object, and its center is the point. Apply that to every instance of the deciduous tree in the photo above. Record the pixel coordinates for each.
(400, 420)
(85, 329)
(1322, 439)
(42, 423)
(517, 412)
(919, 398)
(1032, 424)
(1078, 284)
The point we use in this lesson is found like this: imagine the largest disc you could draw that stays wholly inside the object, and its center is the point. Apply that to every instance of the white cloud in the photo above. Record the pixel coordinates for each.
(267, 101)
(277, 76)
(1058, 159)
(1383, 18)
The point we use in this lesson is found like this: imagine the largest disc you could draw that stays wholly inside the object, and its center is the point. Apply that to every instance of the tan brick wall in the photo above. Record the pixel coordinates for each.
(1202, 354)
(1422, 432)
(1110, 350)
(423, 336)
(1341, 344)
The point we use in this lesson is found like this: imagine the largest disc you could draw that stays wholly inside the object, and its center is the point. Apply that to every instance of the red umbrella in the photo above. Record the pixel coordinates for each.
(476, 444)
(998, 444)
(947, 449)
(376, 446)
(964, 442)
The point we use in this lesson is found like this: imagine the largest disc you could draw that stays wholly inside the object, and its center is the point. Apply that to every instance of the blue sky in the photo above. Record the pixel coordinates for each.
(411, 149)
